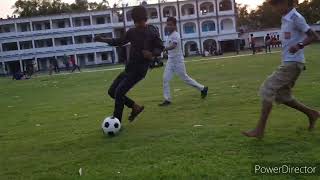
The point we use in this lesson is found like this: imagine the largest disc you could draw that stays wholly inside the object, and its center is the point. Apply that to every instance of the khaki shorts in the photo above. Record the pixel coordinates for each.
(278, 86)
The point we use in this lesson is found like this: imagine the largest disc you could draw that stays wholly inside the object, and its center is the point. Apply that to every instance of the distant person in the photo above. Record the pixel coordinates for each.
(66, 62)
(51, 67)
(278, 41)
(267, 43)
(274, 41)
(19, 76)
(30, 69)
(55, 65)
(74, 65)
(253, 44)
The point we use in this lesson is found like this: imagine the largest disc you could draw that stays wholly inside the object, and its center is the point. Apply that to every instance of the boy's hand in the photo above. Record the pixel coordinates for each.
(294, 49)
(147, 54)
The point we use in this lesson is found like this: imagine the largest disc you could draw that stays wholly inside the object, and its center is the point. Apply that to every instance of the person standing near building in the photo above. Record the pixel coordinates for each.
(253, 44)
(55, 65)
(74, 64)
(267, 42)
(66, 62)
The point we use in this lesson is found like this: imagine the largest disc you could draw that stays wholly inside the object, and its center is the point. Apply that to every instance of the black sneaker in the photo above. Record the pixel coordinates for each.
(135, 113)
(204, 92)
(165, 103)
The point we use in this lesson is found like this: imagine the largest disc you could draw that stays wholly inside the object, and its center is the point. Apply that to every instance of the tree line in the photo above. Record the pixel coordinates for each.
(265, 17)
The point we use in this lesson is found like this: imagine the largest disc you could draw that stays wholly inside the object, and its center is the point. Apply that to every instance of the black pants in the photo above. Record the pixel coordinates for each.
(268, 47)
(75, 67)
(56, 69)
(253, 49)
(119, 88)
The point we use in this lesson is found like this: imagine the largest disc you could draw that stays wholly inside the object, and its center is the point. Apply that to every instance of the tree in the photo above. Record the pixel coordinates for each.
(310, 10)
(264, 16)
(28, 8)
(99, 6)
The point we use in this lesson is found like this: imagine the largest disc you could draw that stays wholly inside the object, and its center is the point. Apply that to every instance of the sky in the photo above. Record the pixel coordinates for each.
(6, 5)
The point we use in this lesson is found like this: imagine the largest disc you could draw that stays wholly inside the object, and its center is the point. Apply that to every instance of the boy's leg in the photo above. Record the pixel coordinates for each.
(114, 86)
(269, 48)
(313, 115)
(167, 76)
(73, 68)
(124, 86)
(258, 132)
(181, 71)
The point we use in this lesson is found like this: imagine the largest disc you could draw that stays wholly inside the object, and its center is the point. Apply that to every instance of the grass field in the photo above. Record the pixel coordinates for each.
(50, 126)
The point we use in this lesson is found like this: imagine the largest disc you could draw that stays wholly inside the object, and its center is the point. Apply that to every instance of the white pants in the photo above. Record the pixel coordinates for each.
(179, 68)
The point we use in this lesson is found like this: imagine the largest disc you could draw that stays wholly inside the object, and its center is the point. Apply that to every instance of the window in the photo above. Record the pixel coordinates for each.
(104, 56)
(38, 27)
(226, 24)
(86, 22)
(39, 43)
(24, 27)
(49, 43)
(88, 39)
(208, 26)
(47, 25)
(100, 20)
(61, 24)
(7, 29)
(191, 11)
(189, 28)
(91, 57)
(193, 47)
(169, 11)
(225, 5)
(108, 18)
(206, 7)
(12, 46)
(129, 17)
(154, 15)
(26, 45)
(77, 22)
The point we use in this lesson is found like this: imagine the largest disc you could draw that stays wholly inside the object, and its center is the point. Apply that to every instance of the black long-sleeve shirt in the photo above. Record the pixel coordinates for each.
(141, 39)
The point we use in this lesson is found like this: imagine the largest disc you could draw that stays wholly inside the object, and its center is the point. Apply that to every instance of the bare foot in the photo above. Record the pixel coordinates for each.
(253, 133)
(312, 119)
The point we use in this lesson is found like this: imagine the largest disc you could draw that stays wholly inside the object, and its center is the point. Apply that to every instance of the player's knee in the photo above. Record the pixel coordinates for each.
(119, 93)
(111, 93)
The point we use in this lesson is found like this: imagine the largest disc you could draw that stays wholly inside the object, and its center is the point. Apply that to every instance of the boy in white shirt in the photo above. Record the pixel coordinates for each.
(296, 34)
(176, 64)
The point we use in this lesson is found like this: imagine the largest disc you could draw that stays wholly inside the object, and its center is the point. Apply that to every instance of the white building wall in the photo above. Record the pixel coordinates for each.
(49, 26)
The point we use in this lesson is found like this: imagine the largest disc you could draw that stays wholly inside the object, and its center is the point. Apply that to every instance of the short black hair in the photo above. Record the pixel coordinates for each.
(267, 34)
(173, 20)
(251, 34)
(139, 13)
(291, 3)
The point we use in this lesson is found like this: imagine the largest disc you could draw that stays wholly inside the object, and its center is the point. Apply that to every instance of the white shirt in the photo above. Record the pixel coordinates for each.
(293, 30)
(174, 37)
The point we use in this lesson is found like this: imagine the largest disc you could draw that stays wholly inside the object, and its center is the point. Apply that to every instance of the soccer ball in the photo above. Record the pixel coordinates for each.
(111, 126)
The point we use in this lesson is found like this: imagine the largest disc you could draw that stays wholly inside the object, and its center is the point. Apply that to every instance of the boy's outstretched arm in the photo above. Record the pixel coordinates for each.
(112, 41)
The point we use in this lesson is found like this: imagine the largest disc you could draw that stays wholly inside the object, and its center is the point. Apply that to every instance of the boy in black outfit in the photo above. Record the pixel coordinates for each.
(145, 44)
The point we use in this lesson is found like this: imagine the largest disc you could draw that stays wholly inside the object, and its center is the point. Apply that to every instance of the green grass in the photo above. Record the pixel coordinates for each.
(50, 126)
